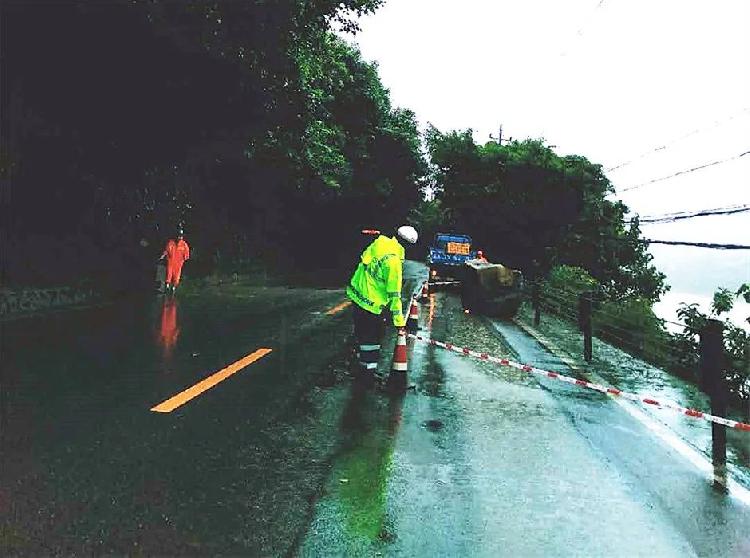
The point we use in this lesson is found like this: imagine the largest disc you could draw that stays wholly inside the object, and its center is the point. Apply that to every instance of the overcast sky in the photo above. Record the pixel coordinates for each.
(610, 80)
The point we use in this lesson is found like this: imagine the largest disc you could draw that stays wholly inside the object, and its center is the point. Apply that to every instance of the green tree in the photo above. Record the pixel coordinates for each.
(250, 122)
(736, 366)
(523, 203)
(429, 218)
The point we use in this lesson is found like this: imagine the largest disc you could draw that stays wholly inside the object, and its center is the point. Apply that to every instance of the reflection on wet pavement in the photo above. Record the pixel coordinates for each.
(85, 468)
(168, 331)
(370, 426)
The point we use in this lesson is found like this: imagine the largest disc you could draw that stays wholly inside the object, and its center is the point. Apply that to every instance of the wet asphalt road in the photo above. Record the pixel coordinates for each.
(87, 468)
(475, 465)
(286, 458)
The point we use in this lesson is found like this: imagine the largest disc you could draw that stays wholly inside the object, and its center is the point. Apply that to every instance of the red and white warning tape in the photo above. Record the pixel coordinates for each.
(439, 283)
(582, 383)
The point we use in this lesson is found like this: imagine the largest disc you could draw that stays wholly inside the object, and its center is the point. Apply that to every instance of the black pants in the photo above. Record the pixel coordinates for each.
(368, 331)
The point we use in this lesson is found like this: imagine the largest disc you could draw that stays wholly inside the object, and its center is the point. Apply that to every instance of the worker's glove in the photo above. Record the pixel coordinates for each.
(400, 330)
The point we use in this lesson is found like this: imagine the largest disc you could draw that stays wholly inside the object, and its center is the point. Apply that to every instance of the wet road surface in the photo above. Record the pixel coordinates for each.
(713, 524)
(285, 457)
(475, 465)
(618, 368)
(87, 468)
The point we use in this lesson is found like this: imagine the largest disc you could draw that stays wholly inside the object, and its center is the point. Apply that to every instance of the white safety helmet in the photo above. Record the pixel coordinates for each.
(409, 234)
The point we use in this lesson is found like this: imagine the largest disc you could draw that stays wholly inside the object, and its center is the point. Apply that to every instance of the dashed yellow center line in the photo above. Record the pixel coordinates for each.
(184, 396)
(339, 307)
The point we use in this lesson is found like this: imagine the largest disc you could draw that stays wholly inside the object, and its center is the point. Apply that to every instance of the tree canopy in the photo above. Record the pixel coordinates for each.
(268, 137)
(531, 209)
(251, 123)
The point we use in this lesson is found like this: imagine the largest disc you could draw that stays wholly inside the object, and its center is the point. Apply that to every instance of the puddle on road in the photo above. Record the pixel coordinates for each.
(433, 425)
(431, 382)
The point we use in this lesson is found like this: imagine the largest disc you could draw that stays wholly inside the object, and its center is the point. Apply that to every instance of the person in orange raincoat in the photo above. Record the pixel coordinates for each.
(176, 252)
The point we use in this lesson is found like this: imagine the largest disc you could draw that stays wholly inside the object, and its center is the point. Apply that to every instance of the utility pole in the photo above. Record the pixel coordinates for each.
(499, 137)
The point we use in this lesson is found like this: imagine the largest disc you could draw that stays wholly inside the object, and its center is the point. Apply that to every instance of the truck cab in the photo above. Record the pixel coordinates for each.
(448, 256)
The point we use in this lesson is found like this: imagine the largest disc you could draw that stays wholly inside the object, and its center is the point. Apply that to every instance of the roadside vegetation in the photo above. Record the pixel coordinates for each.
(552, 218)
(268, 137)
(631, 325)
(271, 140)
(531, 209)
(251, 123)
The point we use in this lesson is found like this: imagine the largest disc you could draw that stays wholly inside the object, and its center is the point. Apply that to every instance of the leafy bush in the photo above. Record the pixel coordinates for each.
(736, 365)
(632, 325)
(561, 289)
(571, 278)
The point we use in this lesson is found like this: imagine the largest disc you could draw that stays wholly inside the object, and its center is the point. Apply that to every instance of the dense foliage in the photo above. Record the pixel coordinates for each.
(250, 122)
(531, 209)
(270, 139)
(631, 325)
(736, 365)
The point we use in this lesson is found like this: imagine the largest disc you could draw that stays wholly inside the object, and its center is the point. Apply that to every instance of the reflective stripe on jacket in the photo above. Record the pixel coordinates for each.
(376, 284)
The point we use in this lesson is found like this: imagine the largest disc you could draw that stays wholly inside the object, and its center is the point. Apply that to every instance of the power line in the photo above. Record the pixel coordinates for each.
(686, 171)
(677, 216)
(699, 244)
(579, 33)
(653, 150)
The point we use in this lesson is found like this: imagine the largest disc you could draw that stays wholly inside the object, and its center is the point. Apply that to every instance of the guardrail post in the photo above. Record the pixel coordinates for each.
(584, 321)
(711, 361)
(535, 301)
(284, 326)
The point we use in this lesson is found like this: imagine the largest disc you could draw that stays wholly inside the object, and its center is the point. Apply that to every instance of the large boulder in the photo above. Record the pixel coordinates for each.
(492, 289)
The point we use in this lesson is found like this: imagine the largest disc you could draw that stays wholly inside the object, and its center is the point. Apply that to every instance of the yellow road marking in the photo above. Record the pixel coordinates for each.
(184, 396)
(338, 308)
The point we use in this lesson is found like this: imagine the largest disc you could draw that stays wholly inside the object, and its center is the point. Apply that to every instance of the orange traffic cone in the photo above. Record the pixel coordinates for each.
(397, 377)
(425, 292)
(399, 353)
(412, 322)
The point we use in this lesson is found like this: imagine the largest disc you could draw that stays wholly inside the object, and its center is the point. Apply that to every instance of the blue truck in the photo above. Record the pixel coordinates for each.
(448, 256)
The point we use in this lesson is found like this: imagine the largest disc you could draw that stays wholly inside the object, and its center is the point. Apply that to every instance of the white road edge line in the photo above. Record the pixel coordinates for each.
(695, 457)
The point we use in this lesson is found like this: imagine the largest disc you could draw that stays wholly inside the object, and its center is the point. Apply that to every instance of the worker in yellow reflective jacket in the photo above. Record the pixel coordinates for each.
(374, 288)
